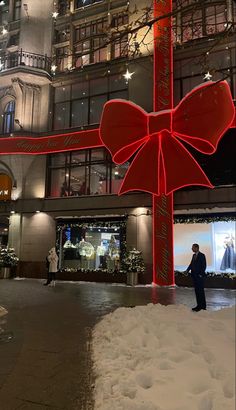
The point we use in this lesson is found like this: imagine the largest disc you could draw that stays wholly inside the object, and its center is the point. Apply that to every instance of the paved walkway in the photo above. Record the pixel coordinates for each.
(45, 357)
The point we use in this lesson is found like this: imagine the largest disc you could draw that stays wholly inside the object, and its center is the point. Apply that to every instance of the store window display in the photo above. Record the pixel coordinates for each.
(217, 240)
(90, 248)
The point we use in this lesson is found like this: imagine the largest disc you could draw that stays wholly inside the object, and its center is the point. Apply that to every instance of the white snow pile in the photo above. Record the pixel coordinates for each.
(158, 357)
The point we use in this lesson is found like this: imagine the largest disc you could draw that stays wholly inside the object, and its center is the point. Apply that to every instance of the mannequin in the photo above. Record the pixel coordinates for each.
(86, 251)
(229, 257)
(100, 260)
(113, 255)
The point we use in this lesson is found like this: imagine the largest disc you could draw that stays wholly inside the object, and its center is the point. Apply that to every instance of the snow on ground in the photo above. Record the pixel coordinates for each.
(158, 357)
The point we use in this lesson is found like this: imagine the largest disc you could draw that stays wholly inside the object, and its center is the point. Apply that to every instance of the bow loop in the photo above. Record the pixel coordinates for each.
(203, 116)
(123, 129)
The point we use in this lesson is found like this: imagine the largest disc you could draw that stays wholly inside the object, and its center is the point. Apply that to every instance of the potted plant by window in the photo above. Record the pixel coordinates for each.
(8, 260)
(133, 265)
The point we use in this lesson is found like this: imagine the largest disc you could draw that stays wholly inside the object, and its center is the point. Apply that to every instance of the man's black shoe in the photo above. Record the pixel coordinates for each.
(197, 309)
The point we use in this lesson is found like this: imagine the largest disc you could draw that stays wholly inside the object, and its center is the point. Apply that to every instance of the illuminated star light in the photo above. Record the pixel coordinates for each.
(53, 68)
(128, 75)
(55, 14)
(207, 76)
(4, 31)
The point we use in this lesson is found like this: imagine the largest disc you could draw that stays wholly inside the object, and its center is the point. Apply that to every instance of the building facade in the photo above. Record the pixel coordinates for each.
(59, 63)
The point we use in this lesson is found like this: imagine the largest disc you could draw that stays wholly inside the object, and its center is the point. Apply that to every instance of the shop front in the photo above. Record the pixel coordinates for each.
(215, 233)
(91, 248)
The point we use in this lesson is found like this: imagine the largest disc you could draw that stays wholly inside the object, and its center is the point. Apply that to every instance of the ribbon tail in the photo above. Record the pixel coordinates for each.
(142, 174)
(180, 168)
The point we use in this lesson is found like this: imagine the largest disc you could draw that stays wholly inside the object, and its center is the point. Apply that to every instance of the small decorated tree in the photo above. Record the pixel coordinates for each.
(8, 258)
(133, 261)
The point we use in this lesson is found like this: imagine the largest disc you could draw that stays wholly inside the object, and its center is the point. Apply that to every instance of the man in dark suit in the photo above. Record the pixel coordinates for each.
(197, 267)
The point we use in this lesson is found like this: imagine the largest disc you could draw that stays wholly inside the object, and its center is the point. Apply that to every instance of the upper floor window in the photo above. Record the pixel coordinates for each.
(119, 19)
(8, 117)
(82, 3)
(200, 21)
(90, 44)
(16, 9)
(13, 40)
(81, 104)
(63, 7)
(119, 46)
(85, 172)
(62, 58)
(4, 10)
(62, 35)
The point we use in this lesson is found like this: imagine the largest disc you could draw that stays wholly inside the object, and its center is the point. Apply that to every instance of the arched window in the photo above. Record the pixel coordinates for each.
(8, 117)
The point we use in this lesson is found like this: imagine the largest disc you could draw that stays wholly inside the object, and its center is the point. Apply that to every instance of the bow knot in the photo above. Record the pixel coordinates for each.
(159, 122)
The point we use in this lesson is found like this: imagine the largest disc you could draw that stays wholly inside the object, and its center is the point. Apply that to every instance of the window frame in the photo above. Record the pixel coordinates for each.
(8, 117)
(109, 94)
(68, 166)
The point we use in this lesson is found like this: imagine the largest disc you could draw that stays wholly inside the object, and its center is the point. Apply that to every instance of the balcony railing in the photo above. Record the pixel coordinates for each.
(23, 58)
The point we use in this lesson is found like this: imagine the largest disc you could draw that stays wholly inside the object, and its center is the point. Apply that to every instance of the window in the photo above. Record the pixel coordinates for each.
(62, 58)
(200, 21)
(62, 35)
(215, 19)
(62, 116)
(13, 40)
(81, 104)
(82, 3)
(189, 73)
(85, 172)
(63, 7)
(8, 118)
(119, 19)
(17, 9)
(119, 46)
(90, 39)
(4, 10)
(91, 245)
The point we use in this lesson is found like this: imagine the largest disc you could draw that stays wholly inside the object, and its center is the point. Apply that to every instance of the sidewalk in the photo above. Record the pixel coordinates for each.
(47, 363)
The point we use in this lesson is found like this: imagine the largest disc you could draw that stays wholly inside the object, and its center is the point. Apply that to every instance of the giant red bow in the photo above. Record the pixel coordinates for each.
(163, 164)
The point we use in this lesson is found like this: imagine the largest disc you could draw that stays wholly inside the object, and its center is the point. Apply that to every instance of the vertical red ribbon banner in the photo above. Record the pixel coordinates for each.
(162, 164)
(162, 222)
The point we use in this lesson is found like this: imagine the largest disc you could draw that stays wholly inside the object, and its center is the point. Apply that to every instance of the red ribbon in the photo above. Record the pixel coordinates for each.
(162, 164)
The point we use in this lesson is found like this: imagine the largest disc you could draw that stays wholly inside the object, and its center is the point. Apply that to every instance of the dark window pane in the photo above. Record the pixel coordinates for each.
(117, 82)
(98, 154)
(59, 159)
(62, 116)
(99, 86)
(96, 107)
(79, 114)
(118, 173)
(59, 183)
(98, 179)
(8, 117)
(78, 183)
(78, 157)
(80, 90)
(62, 93)
(119, 95)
